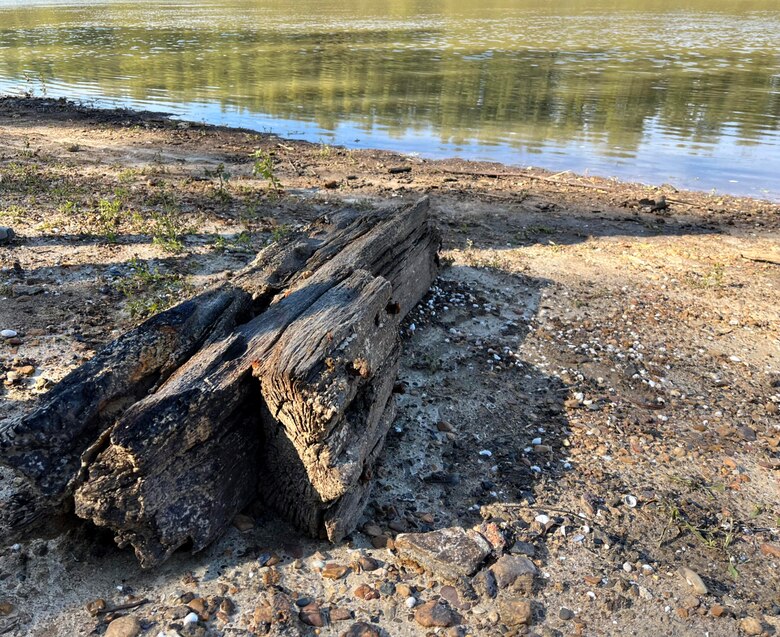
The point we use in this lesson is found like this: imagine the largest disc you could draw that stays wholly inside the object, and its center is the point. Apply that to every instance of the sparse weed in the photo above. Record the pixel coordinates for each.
(712, 278)
(149, 291)
(264, 167)
(280, 232)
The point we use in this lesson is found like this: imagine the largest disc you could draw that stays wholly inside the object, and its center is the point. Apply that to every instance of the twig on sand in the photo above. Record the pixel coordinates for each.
(127, 606)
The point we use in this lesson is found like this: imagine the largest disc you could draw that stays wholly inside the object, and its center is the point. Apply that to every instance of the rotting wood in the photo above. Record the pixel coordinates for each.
(348, 307)
(139, 433)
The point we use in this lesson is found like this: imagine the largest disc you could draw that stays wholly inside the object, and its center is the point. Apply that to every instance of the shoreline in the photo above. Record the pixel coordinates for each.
(621, 364)
(107, 114)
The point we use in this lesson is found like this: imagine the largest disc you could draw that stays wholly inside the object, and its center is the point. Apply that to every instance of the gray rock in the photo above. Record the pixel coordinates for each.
(484, 583)
(515, 572)
(448, 553)
(6, 234)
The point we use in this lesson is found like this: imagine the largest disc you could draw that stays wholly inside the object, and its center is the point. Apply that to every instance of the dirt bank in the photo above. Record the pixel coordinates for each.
(599, 379)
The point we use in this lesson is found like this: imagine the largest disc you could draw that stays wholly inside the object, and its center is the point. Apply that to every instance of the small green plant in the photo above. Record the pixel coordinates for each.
(280, 232)
(149, 291)
(68, 208)
(223, 176)
(167, 230)
(242, 242)
(108, 218)
(264, 167)
(326, 150)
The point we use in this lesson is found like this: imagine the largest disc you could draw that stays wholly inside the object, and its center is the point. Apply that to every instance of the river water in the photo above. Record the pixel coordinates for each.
(685, 92)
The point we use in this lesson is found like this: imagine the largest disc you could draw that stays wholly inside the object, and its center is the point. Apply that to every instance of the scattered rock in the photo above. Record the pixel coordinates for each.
(368, 563)
(95, 606)
(243, 522)
(771, 550)
(751, 626)
(361, 629)
(6, 608)
(450, 552)
(6, 235)
(484, 583)
(717, 610)
(436, 613)
(566, 614)
(693, 580)
(515, 572)
(364, 591)
(311, 615)
(8, 333)
(334, 571)
(127, 626)
(340, 614)
(515, 612)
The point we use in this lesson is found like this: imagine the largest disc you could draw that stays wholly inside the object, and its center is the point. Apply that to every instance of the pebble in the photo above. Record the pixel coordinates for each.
(515, 572)
(6, 234)
(410, 601)
(515, 612)
(127, 626)
(368, 563)
(436, 614)
(771, 550)
(312, 616)
(751, 626)
(364, 591)
(334, 571)
(190, 618)
(95, 606)
(340, 614)
(361, 629)
(566, 614)
(387, 589)
(450, 552)
(693, 580)
(6, 608)
(243, 523)
(8, 333)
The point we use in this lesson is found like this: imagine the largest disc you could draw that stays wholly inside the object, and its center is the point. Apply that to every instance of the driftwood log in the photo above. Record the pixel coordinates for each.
(278, 384)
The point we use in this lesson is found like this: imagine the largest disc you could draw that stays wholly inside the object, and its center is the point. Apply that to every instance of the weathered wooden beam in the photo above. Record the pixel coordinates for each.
(49, 448)
(330, 337)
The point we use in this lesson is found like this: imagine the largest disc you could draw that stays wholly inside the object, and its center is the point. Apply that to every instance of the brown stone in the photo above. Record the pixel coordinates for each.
(334, 571)
(198, 605)
(450, 553)
(751, 626)
(436, 613)
(364, 591)
(6, 608)
(717, 610)
(340, 614)
(771, 550)
(515, 612)
(127, 626)
(312, 616)
(93, 607)
(361, 629)
(368, 563)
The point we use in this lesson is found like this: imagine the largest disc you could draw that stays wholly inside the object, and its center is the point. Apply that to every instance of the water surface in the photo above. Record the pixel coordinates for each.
(678, 91)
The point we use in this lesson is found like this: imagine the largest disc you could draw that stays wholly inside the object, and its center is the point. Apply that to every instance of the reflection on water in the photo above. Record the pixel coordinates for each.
(686, 92)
